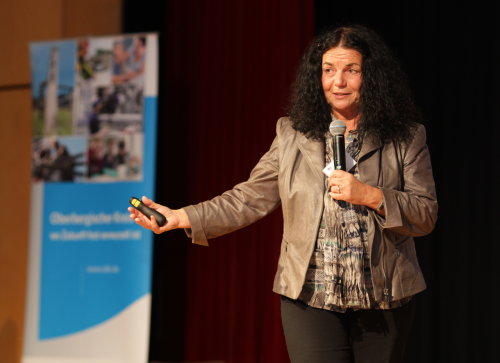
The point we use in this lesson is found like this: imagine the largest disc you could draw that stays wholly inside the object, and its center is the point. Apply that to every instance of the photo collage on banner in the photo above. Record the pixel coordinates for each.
(88, 100)
(94, 117)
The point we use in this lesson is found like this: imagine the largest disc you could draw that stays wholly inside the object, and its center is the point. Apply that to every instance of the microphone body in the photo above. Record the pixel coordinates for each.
(337, 129)
(339, 152)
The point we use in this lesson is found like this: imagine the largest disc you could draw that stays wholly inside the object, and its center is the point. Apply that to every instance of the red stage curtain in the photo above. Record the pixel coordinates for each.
(234, 62)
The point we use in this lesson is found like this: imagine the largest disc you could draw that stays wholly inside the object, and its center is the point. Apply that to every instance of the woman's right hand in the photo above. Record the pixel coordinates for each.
(175, 218)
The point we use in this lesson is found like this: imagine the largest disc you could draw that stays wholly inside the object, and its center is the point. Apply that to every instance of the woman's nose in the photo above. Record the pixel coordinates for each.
(339, 79)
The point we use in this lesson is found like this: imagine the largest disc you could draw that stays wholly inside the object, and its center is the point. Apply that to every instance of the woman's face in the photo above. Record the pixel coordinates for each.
(341, 79)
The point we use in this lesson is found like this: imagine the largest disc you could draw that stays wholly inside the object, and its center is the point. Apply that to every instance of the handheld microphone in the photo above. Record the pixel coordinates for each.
(337, 129)
(148, 212)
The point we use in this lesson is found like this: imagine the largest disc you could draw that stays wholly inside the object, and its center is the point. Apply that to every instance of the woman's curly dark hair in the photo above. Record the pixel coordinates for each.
(387, 108)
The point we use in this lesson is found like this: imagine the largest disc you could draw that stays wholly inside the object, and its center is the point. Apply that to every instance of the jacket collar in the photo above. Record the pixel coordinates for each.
(314, 150)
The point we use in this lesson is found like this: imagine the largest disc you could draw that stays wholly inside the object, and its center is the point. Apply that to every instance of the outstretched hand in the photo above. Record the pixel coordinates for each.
(175, 218)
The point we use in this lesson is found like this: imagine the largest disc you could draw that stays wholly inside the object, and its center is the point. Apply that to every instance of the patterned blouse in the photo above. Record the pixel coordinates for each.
(339, 276)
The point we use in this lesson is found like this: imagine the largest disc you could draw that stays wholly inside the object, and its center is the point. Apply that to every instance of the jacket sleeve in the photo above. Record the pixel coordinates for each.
(412, 211)
(246, 203)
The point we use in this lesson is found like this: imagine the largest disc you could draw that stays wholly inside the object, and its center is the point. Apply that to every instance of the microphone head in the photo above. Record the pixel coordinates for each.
(337, 127)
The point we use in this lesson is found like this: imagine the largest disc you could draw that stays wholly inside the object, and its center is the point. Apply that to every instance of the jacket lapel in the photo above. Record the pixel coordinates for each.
(369, 144)
(369, 167)
(314, 153)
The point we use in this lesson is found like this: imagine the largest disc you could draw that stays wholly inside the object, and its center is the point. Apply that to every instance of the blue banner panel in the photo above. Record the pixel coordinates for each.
(95, 262)
(94, 147)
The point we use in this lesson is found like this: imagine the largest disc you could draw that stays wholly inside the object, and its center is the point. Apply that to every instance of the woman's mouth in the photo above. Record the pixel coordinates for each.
(340, 95)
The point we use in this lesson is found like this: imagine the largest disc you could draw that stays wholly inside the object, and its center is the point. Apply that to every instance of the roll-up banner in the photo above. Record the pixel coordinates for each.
(94, 124)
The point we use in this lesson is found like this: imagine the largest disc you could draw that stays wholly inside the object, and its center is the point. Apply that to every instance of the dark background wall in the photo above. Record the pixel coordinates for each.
(225, 72)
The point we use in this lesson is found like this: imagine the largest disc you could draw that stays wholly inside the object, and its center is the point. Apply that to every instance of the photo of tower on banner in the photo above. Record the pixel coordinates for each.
(94, 123)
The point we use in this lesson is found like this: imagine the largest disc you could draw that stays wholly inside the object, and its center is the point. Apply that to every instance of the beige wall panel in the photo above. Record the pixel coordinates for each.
(92, 17)
(15, 138)
(23, 21)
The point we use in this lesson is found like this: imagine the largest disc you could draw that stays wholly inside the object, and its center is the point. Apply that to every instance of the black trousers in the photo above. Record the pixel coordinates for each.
(362, 336)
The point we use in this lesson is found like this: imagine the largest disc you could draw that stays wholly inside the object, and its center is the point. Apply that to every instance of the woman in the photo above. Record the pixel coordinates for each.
(348, 269)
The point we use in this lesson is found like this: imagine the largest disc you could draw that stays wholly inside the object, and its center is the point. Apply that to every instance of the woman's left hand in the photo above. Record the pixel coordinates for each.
(344, 186)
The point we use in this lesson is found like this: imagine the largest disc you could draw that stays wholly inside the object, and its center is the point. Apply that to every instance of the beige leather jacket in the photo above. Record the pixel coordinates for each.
(290, 174)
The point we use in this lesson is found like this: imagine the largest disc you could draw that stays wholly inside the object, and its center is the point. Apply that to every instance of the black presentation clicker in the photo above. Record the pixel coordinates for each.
(148, 212)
